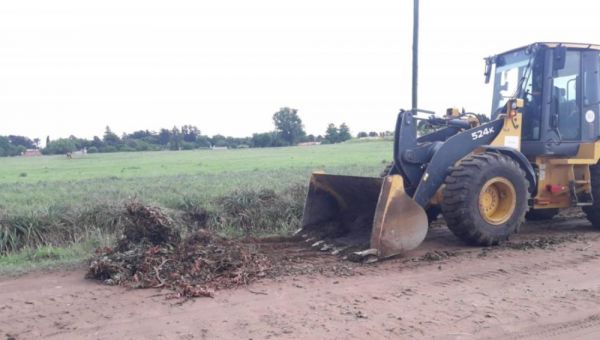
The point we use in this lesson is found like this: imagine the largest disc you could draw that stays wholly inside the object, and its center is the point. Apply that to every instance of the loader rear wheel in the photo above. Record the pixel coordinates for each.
(541, 214)
(593, 212)
(485, 198)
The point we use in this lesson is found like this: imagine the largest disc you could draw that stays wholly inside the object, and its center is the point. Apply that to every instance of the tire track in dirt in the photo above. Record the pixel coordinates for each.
(526, 269)
(560, 329)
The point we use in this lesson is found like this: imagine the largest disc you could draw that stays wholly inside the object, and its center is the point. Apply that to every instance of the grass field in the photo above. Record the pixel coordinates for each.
(53, 201)
(29, 184)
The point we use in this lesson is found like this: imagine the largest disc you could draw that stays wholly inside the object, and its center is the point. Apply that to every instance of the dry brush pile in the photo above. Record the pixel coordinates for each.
(151, 253)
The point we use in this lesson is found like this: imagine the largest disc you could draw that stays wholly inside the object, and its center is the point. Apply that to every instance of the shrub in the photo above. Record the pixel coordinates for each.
(261, 211)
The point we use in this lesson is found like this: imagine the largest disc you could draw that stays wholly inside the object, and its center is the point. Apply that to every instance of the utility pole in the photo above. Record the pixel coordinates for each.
(415, 54)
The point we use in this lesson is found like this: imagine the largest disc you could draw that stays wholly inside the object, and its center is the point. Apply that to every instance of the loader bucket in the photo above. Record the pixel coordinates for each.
(363, 213)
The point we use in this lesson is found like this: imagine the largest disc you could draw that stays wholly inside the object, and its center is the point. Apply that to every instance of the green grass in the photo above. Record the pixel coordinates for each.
(169, 177)
(62, 202)
(46, 257)
(194, 162)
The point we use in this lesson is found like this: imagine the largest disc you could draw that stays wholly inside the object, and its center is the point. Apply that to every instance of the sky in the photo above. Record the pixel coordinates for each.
(72, 67)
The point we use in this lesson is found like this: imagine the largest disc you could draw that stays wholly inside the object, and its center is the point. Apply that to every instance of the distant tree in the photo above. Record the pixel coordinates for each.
(311, 138)
(236, 142)
(21, 141)
(373, 134)
(362, 134)
(344, 133)
(164, 136)
(110, 138)
(140, 134)
(262, 140)
(8, 149)
(203, 141)
(288, 125)
(218, 140)
(176, 139)
(60, 146)
(47, 140)
(79, 143)
(190, 133)
(279, 141)
(331, 134)
(36, 141)
(97, 143)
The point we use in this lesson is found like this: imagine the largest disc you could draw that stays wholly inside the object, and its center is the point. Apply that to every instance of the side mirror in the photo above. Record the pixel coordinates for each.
(488, 69)
(560, 56)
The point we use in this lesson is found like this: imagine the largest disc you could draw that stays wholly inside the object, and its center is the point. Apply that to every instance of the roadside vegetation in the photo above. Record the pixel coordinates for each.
(57, 210)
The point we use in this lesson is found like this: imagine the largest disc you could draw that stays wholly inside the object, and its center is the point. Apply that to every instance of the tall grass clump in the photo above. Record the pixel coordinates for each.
(242, 212)
(58, 225)
(259, 211)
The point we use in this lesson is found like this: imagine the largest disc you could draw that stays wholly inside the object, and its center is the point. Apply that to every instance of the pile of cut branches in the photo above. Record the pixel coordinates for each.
(151, 253)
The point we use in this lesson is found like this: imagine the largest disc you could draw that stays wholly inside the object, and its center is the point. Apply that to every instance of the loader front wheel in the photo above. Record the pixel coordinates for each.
(485, 198)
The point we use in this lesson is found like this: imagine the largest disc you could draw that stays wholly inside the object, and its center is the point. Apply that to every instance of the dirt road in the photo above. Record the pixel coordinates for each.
(544, 284)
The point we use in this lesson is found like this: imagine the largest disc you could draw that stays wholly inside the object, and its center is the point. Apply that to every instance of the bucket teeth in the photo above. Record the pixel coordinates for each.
(367, 252)
(338, 250)
(365, 256)
(317, 244)
(371, 259)
(326, 247)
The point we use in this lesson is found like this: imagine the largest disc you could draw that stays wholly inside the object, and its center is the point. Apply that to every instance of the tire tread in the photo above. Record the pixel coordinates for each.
(458, 186)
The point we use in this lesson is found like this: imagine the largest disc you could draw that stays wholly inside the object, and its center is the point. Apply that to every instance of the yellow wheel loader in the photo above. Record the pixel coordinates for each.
(539, 153)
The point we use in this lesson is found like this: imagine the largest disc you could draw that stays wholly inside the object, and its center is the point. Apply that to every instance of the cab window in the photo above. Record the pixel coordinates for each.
(565, 103)
(591, 77)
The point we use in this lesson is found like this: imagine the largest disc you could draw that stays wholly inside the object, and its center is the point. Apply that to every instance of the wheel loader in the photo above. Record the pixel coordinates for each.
(539, 153)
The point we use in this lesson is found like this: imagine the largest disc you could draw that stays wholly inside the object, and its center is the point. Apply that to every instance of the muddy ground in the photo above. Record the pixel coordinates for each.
(544, 284)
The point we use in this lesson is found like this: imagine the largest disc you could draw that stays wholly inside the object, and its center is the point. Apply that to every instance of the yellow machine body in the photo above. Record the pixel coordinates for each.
(376, 216)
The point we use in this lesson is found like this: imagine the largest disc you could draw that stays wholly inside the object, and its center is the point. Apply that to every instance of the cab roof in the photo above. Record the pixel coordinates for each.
(582, 46)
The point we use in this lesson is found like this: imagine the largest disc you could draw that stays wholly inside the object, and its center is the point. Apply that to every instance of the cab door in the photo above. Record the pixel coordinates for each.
(591, 95)
(563, 93)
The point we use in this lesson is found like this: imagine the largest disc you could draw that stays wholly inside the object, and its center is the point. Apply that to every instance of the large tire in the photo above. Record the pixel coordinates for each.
(593, 212)
(485, 198)
(541, 214)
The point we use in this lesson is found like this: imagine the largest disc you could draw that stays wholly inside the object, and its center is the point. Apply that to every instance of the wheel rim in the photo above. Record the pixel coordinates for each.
(497, 200)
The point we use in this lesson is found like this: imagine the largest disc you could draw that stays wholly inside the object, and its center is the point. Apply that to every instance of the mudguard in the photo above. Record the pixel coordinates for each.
(521, 160)
(454, 149)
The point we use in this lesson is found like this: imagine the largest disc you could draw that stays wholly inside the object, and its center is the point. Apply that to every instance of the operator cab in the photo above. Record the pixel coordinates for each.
(560, 86)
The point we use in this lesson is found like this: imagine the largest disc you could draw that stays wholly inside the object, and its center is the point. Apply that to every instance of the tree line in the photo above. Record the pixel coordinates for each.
(288, 130)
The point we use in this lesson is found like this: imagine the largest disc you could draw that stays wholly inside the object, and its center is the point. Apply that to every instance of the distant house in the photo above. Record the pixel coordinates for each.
(31, 153)
(219, 147)
(309, 143)
(80, 152)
